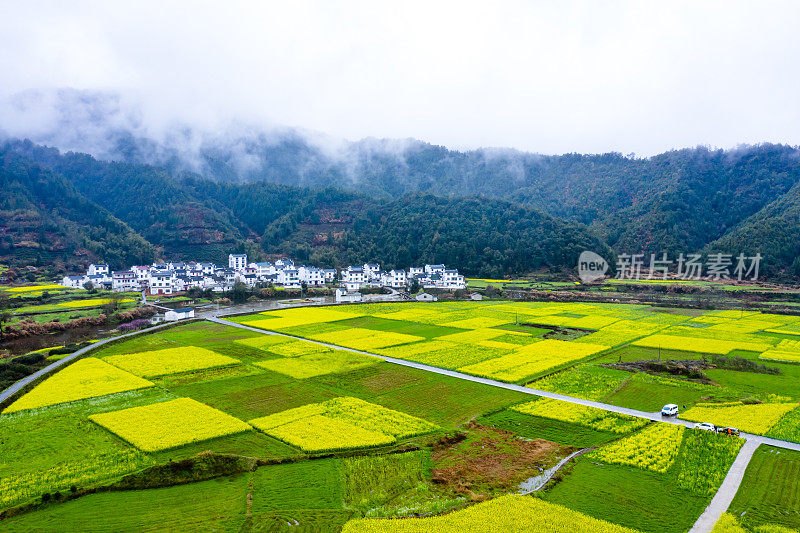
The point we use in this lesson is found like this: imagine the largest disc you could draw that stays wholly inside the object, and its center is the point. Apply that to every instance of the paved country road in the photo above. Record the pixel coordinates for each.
(724, 496)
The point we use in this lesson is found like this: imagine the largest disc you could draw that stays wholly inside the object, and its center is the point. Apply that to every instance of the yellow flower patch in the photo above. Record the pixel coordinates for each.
(696, 344)
(445, 354)
(533, 359)
(327, 426)
(504, 514)
(477, 323)
(654, 448)
(365, 339)
(316, 434)
(28, 288)
(94, 302)
(583, 415)
(786, 350)
(475, 335)
(166, 425)
(264, 342)
(300, 316)
(318, 364)
(169, 361)
(756, 419)
(85, 378)
(297, 348)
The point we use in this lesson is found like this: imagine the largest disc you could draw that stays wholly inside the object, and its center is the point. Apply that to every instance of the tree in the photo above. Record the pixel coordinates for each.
(4, 317)
(239, 293)
(414, 288)
(89, 286)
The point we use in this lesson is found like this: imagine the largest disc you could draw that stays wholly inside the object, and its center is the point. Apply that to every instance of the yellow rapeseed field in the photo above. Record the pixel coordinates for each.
(581, 414)
(170, 424)
(696, 344)
(506, 514)
(316, 434)
(786, 350)
(85, 378)
(318, 364)
(532, 359)
(264, 342)
(169, 361)
(28, 288)
(93, 302)
(756, 419)
(654, 448)
(328, 426)
(365, 339)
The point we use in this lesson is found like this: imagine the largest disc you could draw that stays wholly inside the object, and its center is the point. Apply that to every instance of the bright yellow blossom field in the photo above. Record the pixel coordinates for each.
(581, 414)
(532, 359)
(170, 424)
(85, 378)
(169, 361)
(654, 448)
(509, 513)
(756, 419)
(318, 364)
(340, 424)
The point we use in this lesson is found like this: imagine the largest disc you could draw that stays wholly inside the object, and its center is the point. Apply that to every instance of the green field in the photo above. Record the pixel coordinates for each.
(770, 491)
(359, 437)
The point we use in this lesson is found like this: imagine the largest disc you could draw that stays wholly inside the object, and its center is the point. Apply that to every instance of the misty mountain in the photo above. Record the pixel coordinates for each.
(46, 222)
(678, 201)
(191, 217)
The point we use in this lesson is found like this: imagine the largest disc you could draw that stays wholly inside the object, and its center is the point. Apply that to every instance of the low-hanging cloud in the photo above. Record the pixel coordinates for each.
(541, 77)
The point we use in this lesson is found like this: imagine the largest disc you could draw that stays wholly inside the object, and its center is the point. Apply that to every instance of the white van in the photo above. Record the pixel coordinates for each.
(669, 410)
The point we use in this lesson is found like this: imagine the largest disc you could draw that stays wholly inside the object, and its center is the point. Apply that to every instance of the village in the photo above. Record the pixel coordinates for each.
(177, 277)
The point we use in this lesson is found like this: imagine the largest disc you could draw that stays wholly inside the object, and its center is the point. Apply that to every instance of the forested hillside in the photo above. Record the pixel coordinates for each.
(46, 222)
(190, 217)
(774, 232)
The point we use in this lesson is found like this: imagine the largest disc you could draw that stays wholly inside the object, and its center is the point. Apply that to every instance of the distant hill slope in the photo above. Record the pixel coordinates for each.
(46, 221)
(678, 201)
(774, 231)
(194, 218)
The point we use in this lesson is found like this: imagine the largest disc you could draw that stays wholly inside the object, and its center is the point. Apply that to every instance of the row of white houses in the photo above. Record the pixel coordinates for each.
(171, 278)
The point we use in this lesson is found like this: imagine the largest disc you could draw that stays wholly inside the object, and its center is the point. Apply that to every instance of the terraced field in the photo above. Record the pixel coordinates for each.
(205, 426)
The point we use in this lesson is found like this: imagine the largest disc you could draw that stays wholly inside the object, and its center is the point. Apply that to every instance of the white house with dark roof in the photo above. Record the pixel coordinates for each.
(237, 261)
(289, 278)
(263, 268)
(99, 269)
(124, 280)
(434, 269)
(329, 274)
(371, 271)
(311, 276)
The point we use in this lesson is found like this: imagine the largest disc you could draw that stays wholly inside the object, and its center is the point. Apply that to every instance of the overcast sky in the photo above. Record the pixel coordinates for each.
(547, 77)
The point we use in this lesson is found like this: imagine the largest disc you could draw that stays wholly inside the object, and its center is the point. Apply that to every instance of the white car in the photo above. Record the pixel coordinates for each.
(706, 426)
(669, 410)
